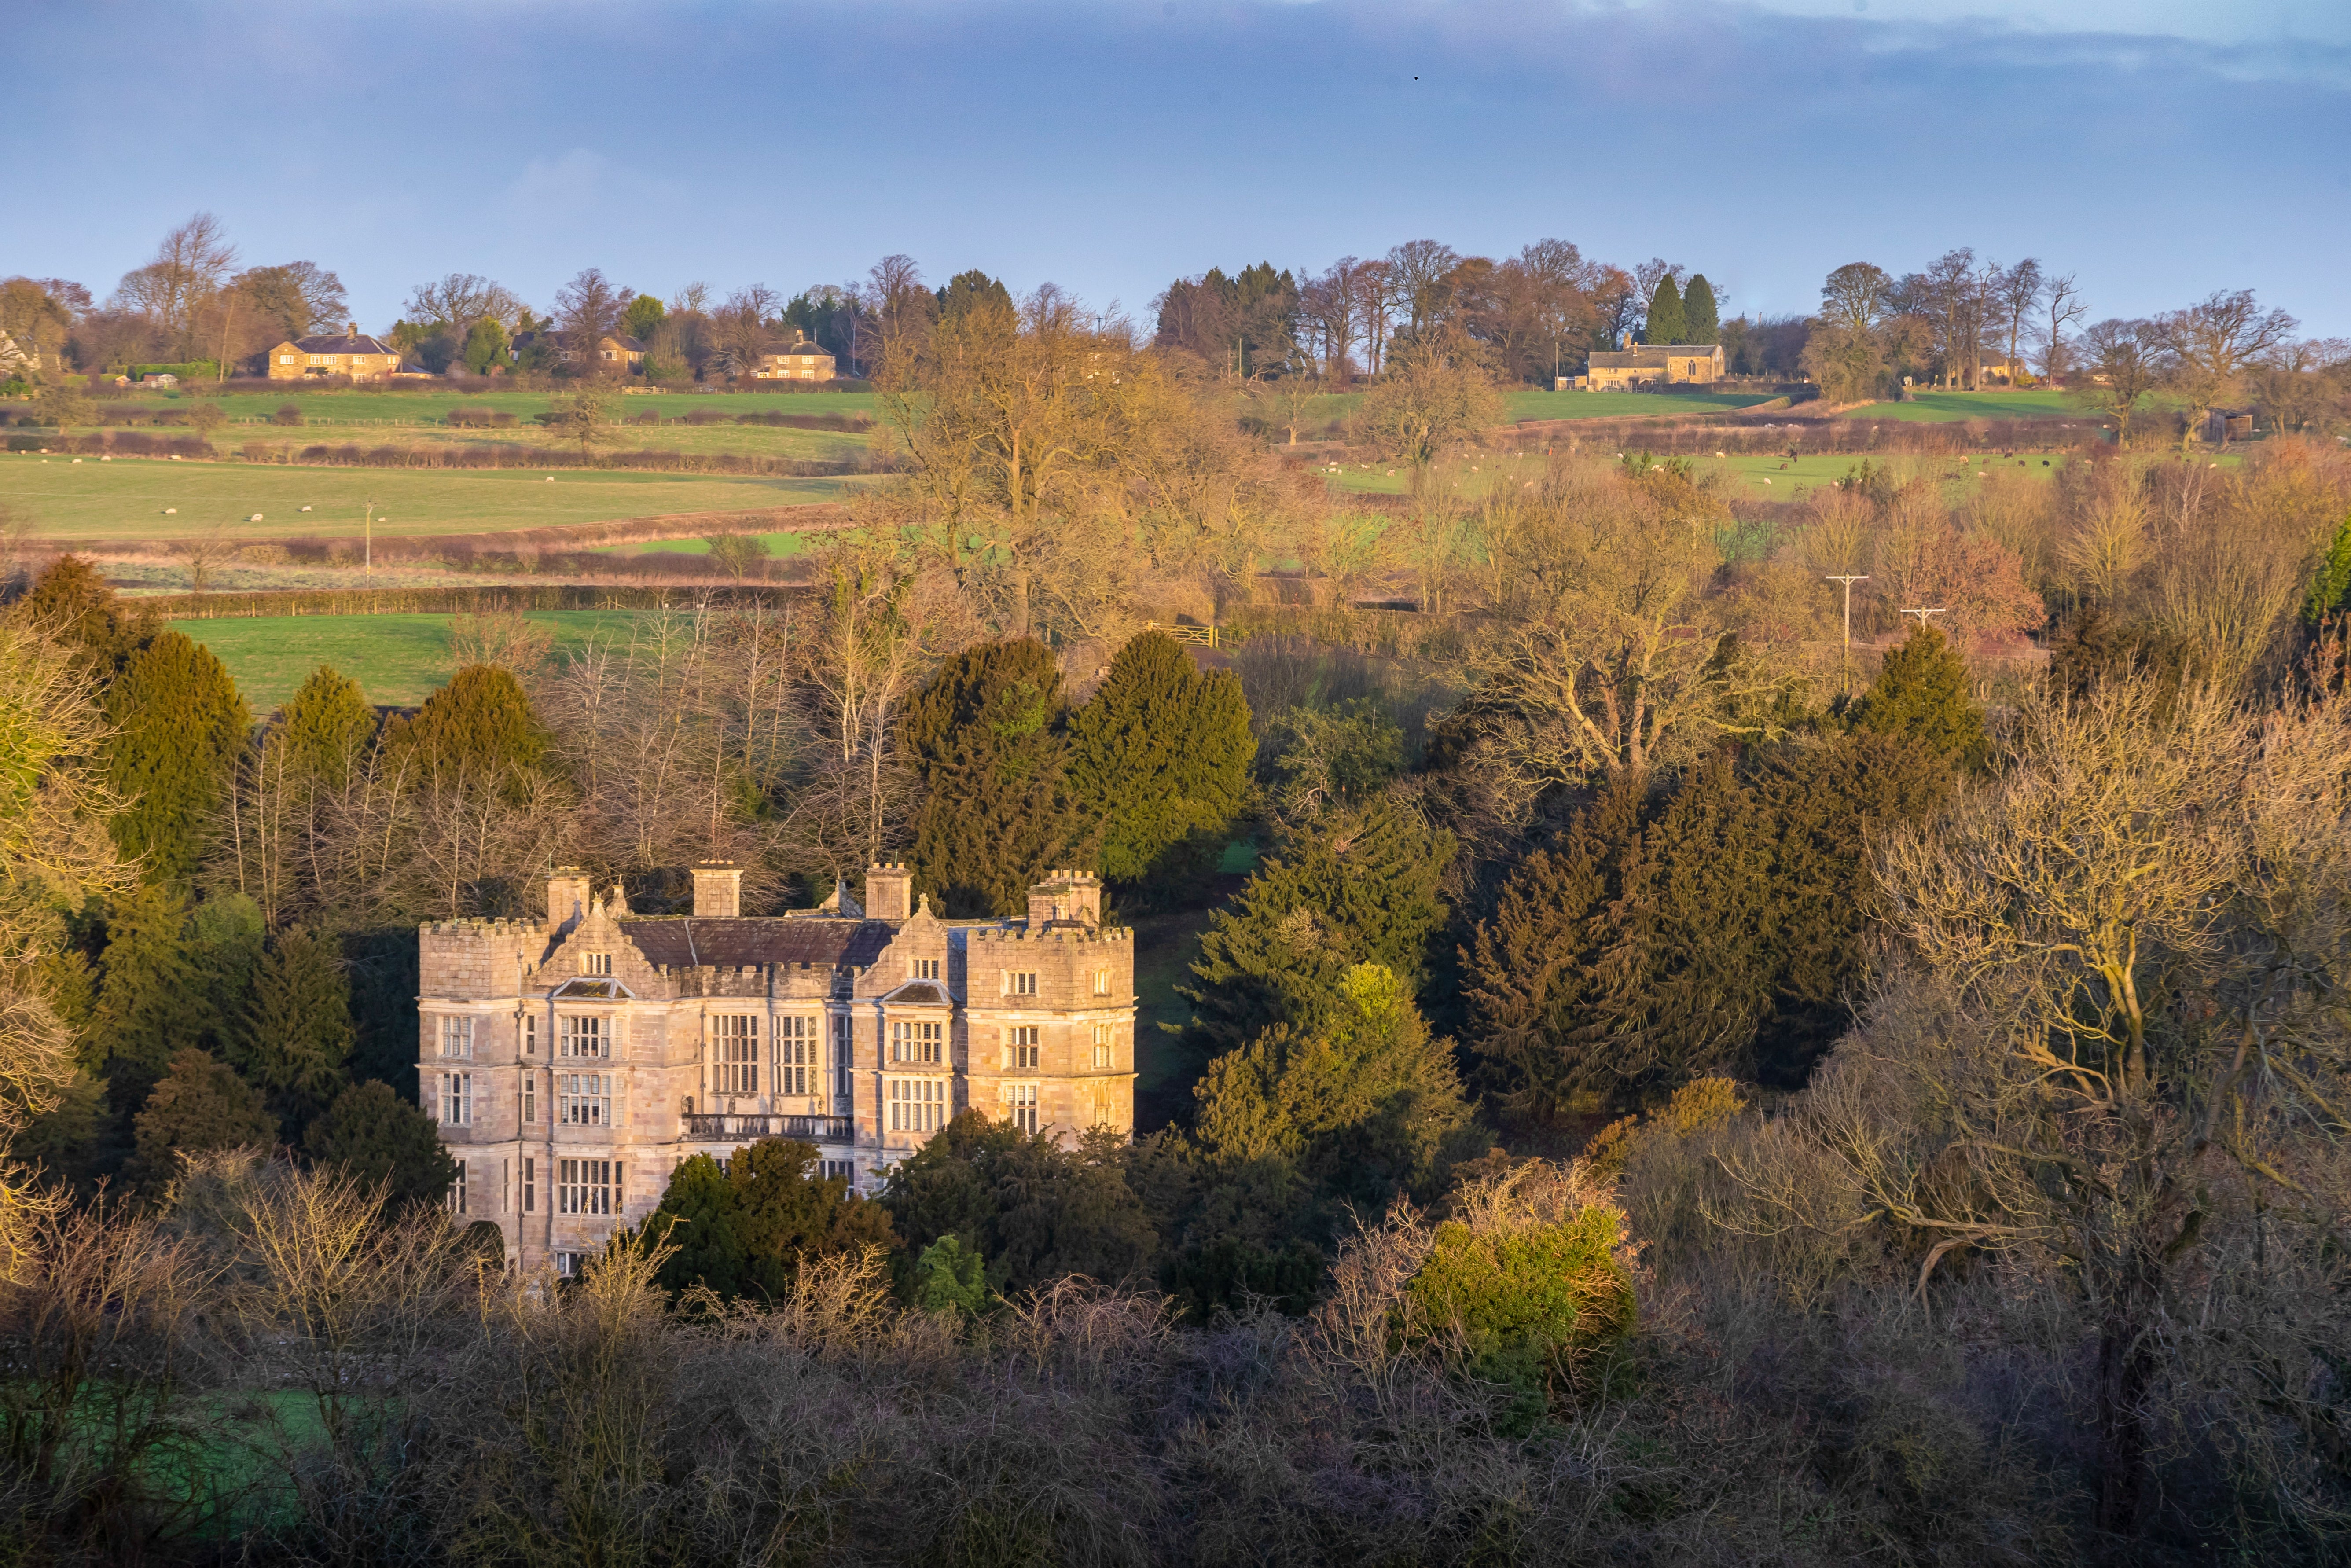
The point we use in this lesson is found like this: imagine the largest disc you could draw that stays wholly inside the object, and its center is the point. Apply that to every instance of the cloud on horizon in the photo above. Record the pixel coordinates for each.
(1111, 147)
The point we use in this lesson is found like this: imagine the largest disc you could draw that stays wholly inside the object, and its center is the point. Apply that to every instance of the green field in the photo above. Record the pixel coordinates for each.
(1767, 476)
(357, 406)
(1526, 405)
(399, 659)
(125, 499)
(1944, 407)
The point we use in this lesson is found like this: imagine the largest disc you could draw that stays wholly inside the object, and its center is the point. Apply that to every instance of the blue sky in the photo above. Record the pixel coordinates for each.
(2159, 149)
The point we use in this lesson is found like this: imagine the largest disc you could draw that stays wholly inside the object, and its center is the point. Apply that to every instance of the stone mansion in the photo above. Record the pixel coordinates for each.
(573, 1063)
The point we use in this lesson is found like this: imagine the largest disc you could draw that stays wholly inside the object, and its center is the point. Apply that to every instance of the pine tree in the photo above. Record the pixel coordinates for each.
(985, 736)
(1923, 692)
(325, 727)
(179, 729)
(1354, 887)
(1827, 803)
(1565, 954)
(695, 1217)
(72, 602)
(1701, 318)
(144, 1018)
(1665, 323)
(376, 1137)
(1161, 758)
(199, 1105)
(782, 1212)
(1363, 1102)
(293, 1037)
(481, 725)
(223, 945)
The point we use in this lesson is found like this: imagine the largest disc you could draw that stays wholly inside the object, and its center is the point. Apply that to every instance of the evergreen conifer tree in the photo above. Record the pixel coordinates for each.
(71, 600)
(481, 725)
(179, 729)
(985, 736)
(325, 727)
(781, 1211)
(1360, 886)
(199, 1105)
(376, 1137)
(1160, 757)
(1549, 977)
(1701, 318)
(143, 1016)
(223, 945)
(696, 1218)
(1922, 692)
(293, 1037)
(1363, 1102)
(1665, 323)
(2330, 586)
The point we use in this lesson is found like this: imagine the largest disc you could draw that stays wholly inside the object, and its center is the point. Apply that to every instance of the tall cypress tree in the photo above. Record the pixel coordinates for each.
(1922, 692)
(985, 736)
(143, 1016)
(325, 726)
(293, 1038)
(1161, 758)
(1665, 323)
(1354, 887)
(1551, 974)
(179, 729)
(481, 725)
(1701, 317)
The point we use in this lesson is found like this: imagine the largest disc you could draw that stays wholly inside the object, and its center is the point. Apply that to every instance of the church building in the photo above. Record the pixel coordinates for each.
(572, 1063)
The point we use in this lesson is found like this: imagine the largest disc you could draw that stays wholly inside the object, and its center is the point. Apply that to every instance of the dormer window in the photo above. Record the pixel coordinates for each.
(595, 963)
(922, 968)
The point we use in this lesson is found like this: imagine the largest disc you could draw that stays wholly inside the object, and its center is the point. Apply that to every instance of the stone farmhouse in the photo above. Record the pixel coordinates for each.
(802, 359)
(1653, 364)
(354, 354)
(573, 1062)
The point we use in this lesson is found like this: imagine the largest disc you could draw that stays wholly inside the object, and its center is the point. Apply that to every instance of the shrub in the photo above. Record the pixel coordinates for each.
(288, 413)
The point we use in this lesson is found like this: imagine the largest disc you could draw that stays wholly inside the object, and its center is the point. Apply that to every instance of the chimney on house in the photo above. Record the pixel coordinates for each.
(719, 891)
(567, 897)
(353, 328)
(889, 892)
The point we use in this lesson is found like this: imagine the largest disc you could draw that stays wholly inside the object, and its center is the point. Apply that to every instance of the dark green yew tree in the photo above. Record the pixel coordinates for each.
(179, 727)
(1160, 758)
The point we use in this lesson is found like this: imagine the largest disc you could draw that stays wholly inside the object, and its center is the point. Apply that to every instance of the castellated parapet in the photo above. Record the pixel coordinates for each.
(572, 1062)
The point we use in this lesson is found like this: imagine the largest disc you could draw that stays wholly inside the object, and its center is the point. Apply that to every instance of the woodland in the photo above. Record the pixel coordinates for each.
(1672, 1085)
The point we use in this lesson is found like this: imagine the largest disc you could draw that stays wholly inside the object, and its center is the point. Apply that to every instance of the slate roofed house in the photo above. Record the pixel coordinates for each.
(802, 359)
(355, 354)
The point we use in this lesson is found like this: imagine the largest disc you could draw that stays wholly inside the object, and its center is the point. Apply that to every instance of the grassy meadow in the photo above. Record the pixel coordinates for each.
(398, 659)
(128, 497)
(779, 546)
(384, 406)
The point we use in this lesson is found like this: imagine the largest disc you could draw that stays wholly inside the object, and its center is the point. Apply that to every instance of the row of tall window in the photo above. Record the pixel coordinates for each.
(581, 1186)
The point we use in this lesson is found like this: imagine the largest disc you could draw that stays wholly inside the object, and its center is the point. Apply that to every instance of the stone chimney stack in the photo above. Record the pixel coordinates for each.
(889, 892)
(567, 895)
(719, 891)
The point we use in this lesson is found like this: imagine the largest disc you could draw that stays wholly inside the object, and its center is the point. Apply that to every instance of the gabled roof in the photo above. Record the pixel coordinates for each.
(919, 994)
(688, 941)
(362, 344)
(806, 349)
(622, 340)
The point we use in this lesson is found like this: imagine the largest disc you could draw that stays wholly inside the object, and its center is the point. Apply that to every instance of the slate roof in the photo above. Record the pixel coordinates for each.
(362, 344)
(919, 994)
(687, 941)
(806, 349)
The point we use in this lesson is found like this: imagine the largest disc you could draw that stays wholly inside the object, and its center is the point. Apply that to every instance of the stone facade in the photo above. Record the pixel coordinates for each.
(354, 354)
(799, 361)
(1658, 365)
(573, 1062)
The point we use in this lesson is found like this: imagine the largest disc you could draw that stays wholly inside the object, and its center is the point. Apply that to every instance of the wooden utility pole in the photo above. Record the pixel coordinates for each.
(1848, 581)
(1923, 614)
